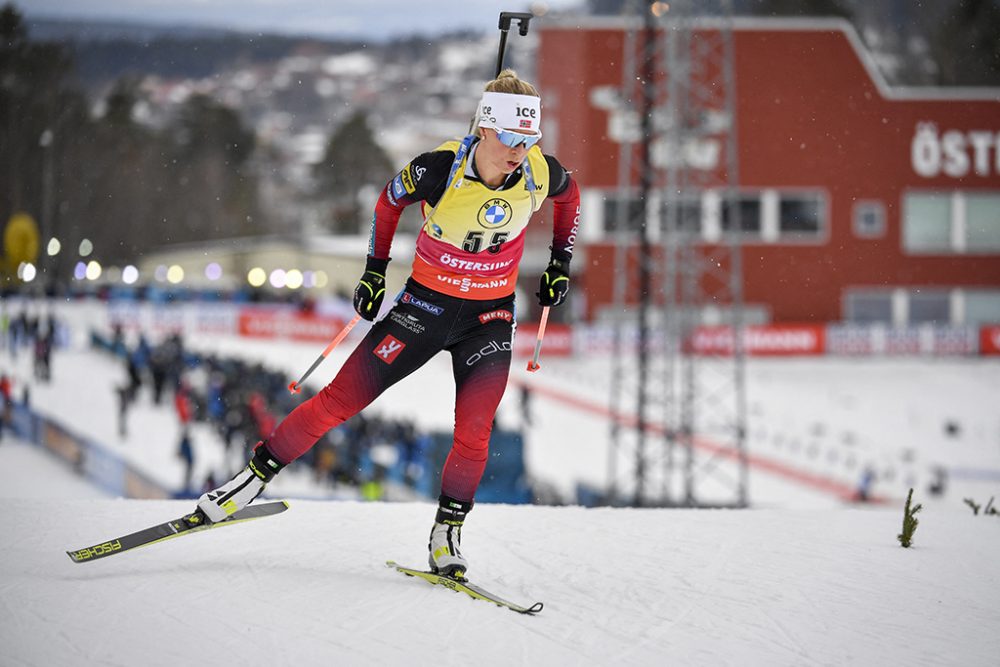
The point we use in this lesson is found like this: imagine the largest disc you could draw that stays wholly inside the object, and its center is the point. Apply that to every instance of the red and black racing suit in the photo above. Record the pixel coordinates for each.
(437, 310)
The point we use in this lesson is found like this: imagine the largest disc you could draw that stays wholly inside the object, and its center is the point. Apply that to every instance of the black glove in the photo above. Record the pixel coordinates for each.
(554, 285)
(370, 291)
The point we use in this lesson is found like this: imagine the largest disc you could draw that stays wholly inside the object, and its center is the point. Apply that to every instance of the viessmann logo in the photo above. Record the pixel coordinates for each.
(760, 340)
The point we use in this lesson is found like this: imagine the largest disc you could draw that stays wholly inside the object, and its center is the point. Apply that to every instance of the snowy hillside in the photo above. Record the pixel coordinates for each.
(620, 587)
(801, 579)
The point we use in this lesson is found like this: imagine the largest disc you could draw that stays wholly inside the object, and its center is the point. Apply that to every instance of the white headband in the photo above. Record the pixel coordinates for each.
(506, 111)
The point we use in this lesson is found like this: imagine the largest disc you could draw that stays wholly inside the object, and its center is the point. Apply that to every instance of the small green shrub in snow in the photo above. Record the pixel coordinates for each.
(909, 521)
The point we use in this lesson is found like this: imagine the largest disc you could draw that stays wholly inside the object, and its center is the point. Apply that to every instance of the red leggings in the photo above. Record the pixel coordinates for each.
(478, 334)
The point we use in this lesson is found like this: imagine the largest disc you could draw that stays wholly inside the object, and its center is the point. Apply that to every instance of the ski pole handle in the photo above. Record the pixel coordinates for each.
(533, 364)
(296, 387)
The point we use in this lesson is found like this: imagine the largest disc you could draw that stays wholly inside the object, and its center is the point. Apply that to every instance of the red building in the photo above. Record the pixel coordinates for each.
(861, 202)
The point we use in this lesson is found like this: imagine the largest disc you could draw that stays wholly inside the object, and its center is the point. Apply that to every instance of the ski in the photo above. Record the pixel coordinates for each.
(464, 586)
(189, 523)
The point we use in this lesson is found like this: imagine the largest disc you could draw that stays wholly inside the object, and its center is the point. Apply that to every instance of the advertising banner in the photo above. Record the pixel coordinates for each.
(288, 325)
(989, 340)
(764, 340)
(558, 341)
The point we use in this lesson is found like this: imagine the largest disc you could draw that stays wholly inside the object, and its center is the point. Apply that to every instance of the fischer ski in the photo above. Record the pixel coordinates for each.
(463, 585)
(189, 523)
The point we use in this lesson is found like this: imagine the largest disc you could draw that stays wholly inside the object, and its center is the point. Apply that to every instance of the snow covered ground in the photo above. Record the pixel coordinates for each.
(620, 587)
(800, 579)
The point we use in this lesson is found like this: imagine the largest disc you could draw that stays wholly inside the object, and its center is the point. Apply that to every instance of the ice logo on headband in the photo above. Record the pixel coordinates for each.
(510, 112)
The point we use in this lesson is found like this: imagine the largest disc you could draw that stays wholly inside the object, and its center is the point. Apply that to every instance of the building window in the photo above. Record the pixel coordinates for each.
(688, 220)
(982, 222)
(749, 214)
(952, 222)
(629, 216)
(929, 307)
(916, 306)
(981, 307)
(927, 222)
(869, 219)
(792, 216)
(799, 215)
(869, 306)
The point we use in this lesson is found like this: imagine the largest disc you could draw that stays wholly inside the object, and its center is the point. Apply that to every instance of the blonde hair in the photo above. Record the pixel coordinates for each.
(507, 82)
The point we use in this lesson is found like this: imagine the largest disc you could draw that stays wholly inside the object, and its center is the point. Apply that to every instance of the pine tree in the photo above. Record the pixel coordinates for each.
(909, 521)
(353, 160)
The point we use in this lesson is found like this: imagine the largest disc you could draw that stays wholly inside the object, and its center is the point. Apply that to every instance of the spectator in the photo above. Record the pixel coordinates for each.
(6, 395)
(43, 356)
(263, 419)
(123, 403)
(865, 485)
(182, 403)
(185, 414)
(186, 453)
(158, 365)
(134, 379)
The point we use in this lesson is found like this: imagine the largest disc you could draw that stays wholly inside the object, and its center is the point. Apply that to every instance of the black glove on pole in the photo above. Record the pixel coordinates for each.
(370, 291)
(554, 285)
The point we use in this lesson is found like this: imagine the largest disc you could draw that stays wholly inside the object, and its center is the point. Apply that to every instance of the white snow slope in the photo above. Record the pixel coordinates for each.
(801, 579)
(620, 587)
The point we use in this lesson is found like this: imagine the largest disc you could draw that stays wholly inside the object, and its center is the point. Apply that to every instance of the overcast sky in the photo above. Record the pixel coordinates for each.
(358, 18)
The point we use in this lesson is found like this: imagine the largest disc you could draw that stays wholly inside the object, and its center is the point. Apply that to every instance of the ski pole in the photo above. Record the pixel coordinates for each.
(296, 387)
(533, 364)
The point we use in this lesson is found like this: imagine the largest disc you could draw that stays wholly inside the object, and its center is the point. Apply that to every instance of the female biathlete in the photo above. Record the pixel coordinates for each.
(477, 195)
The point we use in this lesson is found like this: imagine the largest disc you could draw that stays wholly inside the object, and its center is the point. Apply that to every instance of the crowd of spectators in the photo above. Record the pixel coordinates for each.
(24, 332)
(243, 400)
(34, 333)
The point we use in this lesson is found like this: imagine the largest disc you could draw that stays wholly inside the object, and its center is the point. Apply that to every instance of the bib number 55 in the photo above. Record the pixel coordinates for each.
(474, 241)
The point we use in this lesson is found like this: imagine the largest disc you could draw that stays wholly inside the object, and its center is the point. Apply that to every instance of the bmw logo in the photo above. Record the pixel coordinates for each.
(494, 213)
